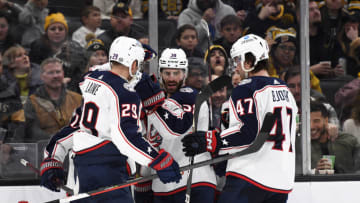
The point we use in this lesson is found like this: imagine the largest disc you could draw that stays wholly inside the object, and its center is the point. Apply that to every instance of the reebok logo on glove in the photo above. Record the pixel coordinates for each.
(154, 99)
(166, 162)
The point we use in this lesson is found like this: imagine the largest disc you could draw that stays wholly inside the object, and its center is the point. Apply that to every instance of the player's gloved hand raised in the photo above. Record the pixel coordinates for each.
(201, 141)
(150, 92)
(166, 167)
(52, 174)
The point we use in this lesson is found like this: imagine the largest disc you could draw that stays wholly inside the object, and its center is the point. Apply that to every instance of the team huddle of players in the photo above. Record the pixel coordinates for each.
(128, 119)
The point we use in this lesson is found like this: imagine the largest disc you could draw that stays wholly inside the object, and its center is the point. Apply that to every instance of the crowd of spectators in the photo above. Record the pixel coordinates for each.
(43, 56)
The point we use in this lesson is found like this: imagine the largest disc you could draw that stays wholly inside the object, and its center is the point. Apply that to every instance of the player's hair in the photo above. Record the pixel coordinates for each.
(261, 65)
(182, 29)
(48, 61)
(231, 20)
(316, 106)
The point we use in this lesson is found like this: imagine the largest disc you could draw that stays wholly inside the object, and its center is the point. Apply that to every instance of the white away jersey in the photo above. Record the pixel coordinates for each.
(173, 120)
(111, 113)
(273, 166)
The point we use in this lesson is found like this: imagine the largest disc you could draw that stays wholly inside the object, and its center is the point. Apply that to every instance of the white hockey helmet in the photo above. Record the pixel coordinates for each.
(250, 43)
(126, 50)
(173, 58)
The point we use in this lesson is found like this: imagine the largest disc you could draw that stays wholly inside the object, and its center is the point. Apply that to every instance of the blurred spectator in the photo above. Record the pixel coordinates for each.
(332, 14)
(27, 75)
(353, 62)
(95, 52)
(197, 76)
(283, 51)
(345, 147)
(55, 42)
(269, 13)
(352, 125)
(32, 17)
(231, 30)
(201, 11)
(122, 25)
(51, 106)
(242, 7)
(293, 79)
(105, 7)
(166, 9)
(187, 39)
(348, 34)
(345, 97)
(218, 60)
(319, 59)
(217, 100)
(11, 9)
(6, 38)
(12, 119)
(235, 78)
(91, 22)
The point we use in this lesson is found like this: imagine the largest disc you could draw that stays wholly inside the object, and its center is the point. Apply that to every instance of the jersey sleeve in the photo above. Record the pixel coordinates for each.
(242, 109)
(175, 116)
(126, 131)
(62, 142)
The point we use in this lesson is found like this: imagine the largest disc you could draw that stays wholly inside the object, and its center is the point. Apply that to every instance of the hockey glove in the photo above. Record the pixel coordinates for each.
(52, 174)
(201, 141)
(150, 93)
(166, 167)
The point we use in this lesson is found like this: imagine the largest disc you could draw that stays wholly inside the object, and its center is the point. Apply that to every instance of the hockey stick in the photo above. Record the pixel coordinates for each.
(203, 96)
(36, 170)
(254, 147)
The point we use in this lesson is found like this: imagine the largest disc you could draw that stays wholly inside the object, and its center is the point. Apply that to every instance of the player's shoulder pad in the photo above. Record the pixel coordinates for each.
(115, 82)
(185, 95)
(245, 81)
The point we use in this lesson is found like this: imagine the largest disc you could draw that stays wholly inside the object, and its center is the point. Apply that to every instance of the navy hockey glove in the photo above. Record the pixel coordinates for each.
(150, 92)
(166, 167)
(52, 174)
(201, 141)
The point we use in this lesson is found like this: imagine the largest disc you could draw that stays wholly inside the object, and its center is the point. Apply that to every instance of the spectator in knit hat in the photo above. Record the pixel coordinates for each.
(217, 59)
(32, 17)
(55, 43)
(283, 49)
(283, 54)
(95, 51)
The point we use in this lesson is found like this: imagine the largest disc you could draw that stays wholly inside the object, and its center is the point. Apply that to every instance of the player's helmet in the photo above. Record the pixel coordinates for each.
(173, 58)
(126, 50)
(250, 43)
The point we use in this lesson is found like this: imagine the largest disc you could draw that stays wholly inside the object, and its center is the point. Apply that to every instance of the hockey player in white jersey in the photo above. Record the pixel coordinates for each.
(172, 120)
(109, 128)
(267, 175)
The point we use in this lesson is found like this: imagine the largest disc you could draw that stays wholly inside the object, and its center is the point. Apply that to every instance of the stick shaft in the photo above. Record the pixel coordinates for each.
(254, 147)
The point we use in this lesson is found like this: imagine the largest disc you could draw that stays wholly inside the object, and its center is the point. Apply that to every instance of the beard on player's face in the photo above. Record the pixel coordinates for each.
(171, 86)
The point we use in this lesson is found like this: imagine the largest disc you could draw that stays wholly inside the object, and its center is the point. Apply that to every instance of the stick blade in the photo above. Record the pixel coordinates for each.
(24, 162)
